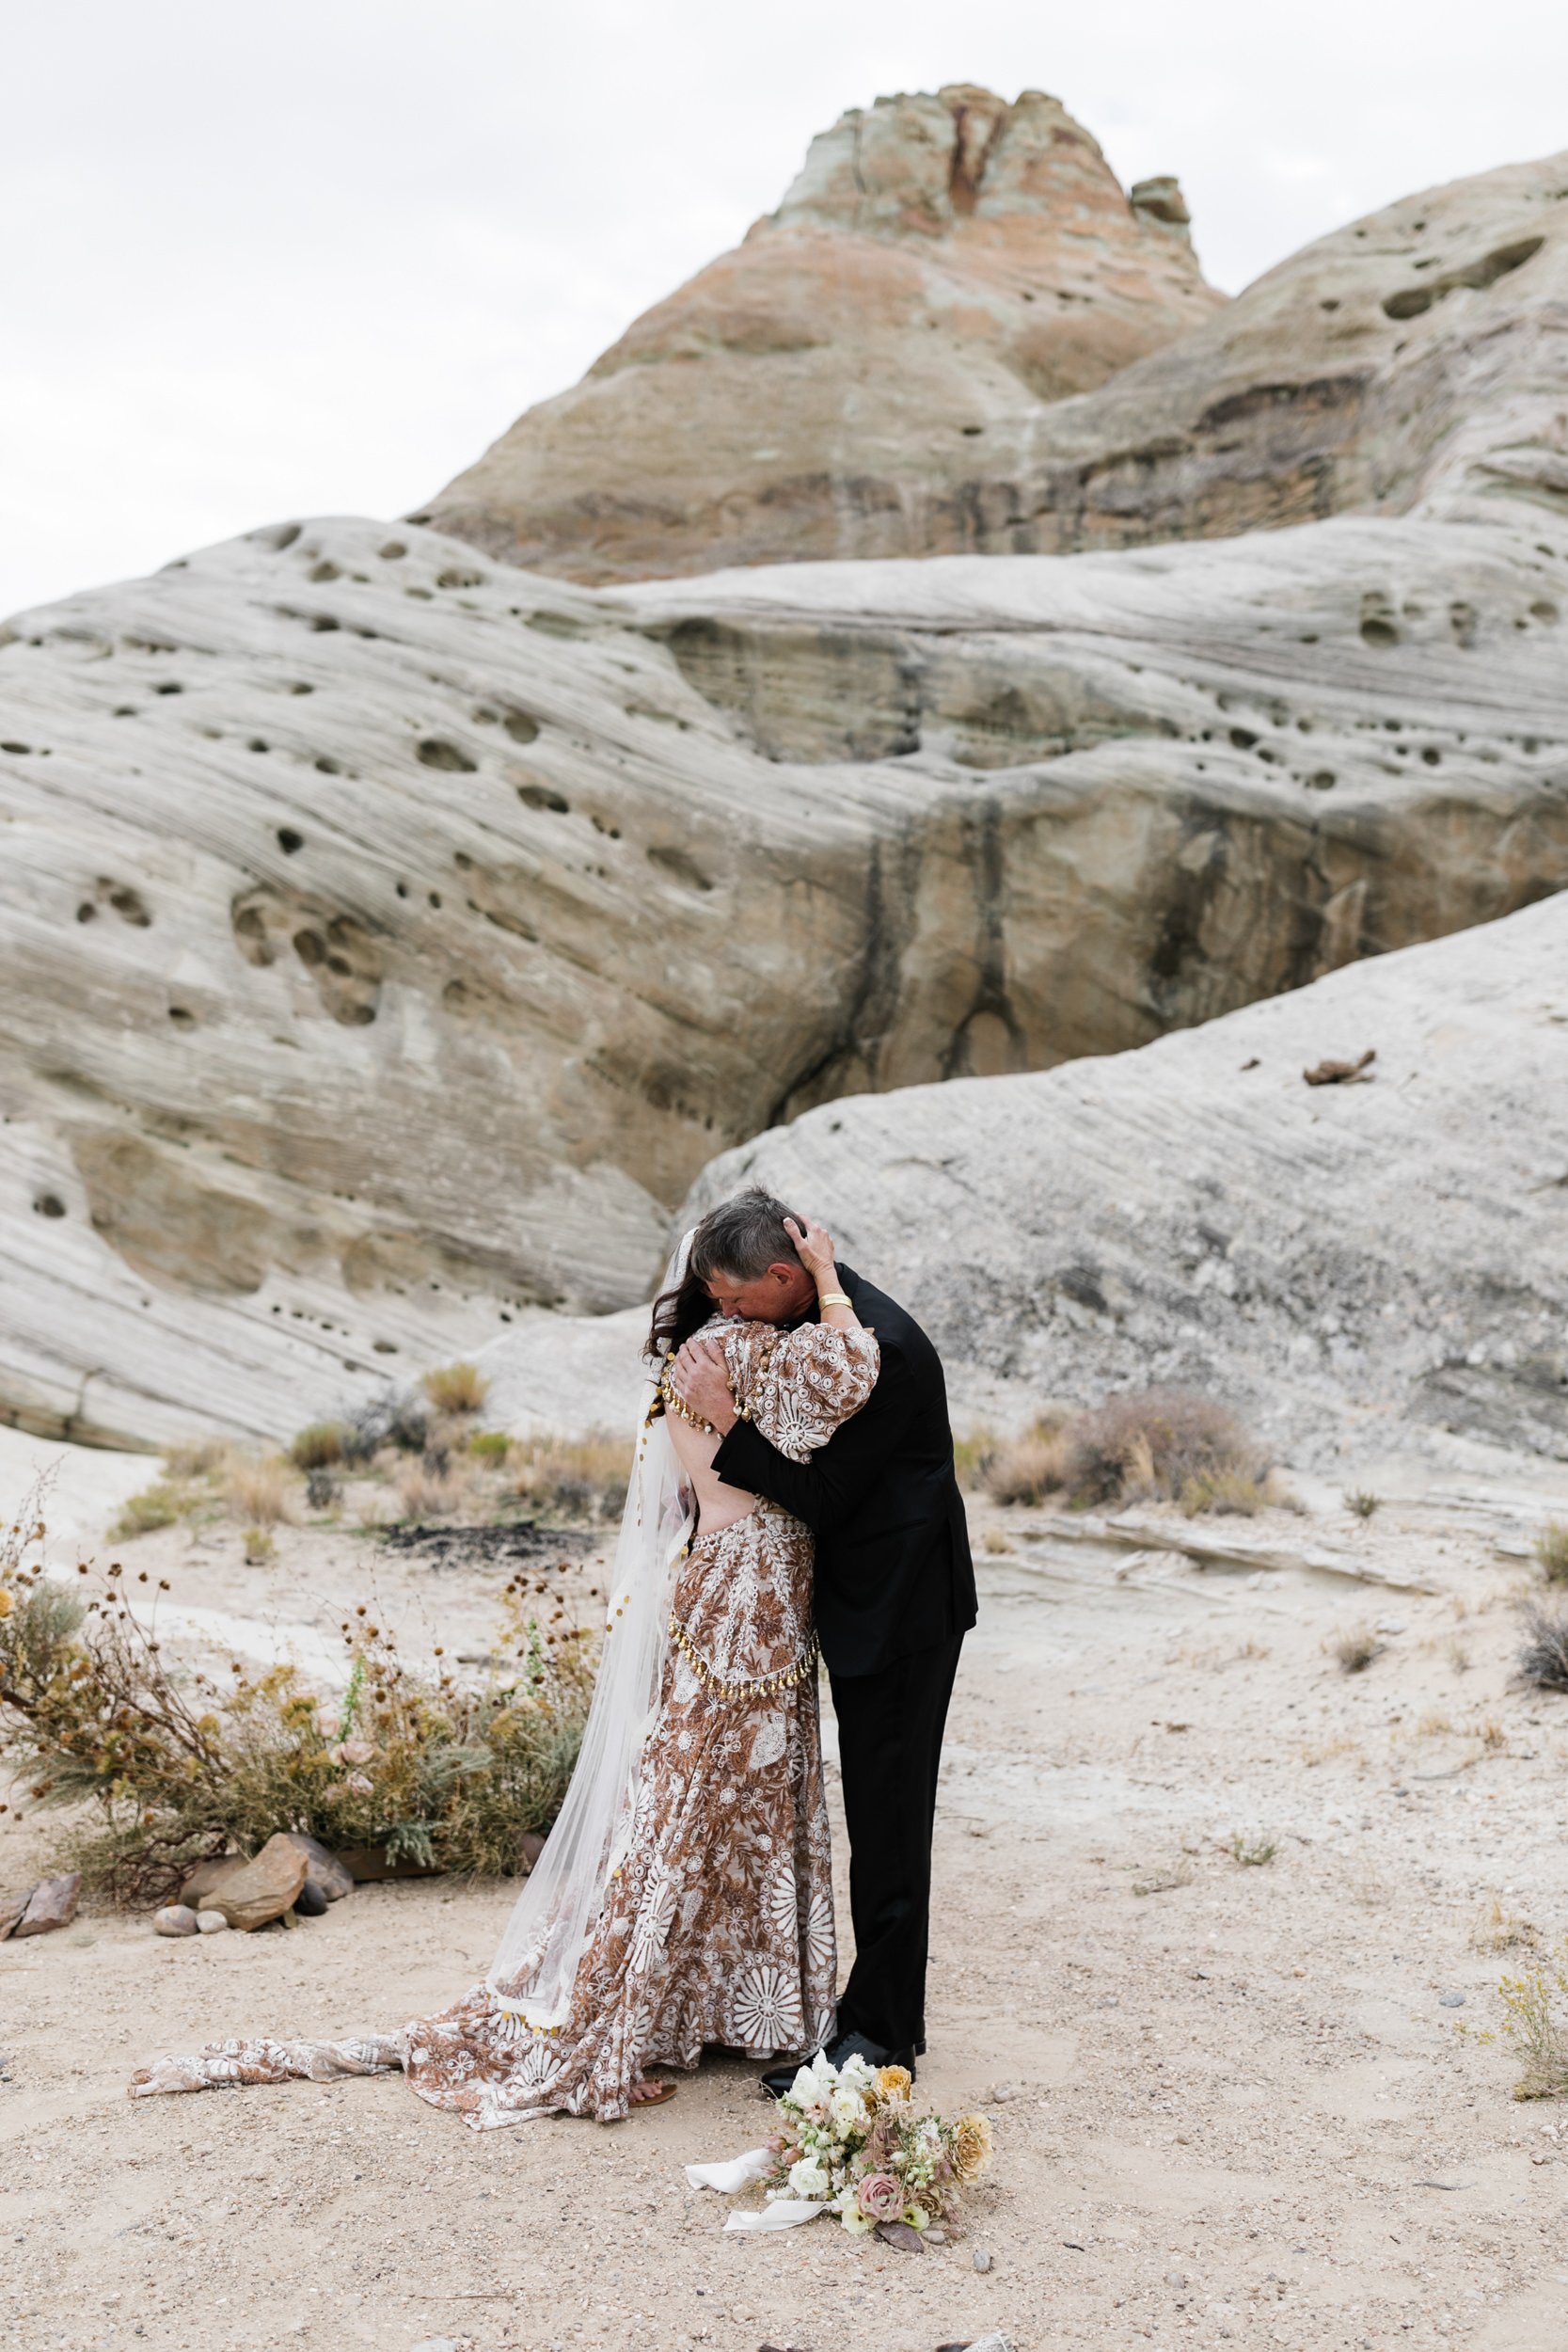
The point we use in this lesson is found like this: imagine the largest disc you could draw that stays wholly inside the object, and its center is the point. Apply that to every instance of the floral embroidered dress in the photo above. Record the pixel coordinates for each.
(719, 1926)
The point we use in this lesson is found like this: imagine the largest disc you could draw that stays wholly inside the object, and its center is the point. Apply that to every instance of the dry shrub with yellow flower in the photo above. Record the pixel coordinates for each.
(160, 1769)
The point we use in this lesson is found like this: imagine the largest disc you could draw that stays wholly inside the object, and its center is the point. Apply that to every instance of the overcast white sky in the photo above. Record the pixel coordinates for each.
(312, 257)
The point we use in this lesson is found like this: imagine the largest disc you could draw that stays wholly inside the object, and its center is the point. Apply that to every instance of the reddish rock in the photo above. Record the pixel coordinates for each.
(863, 375)
(52, 1904)
(12, 1907)
(264, 1888)
(323, 1867)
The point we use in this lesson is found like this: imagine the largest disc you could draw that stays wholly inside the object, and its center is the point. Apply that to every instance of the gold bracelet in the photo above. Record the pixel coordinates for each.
(835, 1298)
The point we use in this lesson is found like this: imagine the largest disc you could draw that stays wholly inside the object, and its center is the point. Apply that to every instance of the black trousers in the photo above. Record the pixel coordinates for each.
(890, 1728)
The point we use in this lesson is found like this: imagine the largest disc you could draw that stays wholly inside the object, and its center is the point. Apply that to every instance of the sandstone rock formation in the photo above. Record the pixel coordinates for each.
(1352, 1266)
(386, 939)
(864, 372)
(862, 377)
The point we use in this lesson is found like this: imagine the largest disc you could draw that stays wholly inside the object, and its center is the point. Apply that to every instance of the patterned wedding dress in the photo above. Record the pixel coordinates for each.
(718, 1927)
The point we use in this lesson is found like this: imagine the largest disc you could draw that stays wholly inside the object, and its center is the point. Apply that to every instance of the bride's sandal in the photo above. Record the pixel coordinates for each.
(652, 2092)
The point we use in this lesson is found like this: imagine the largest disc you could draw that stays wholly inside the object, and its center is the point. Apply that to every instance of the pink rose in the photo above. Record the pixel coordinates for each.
(355, 1752)
(881, 2198)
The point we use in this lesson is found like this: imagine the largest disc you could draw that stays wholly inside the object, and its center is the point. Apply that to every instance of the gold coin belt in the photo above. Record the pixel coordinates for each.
(764, 1686)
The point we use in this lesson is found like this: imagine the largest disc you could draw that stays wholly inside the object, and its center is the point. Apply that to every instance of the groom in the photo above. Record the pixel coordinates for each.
(894, 1593)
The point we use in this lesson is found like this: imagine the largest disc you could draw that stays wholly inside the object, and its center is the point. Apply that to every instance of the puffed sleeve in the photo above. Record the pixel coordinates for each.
(799, 1386)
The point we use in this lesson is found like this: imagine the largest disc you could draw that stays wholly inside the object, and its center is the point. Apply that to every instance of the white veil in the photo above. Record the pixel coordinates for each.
(534, 1972)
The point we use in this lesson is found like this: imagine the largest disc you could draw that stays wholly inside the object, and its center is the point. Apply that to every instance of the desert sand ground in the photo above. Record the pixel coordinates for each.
(1230, 2099)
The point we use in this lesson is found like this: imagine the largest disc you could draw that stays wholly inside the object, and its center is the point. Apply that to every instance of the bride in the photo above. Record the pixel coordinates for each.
(684, 1896)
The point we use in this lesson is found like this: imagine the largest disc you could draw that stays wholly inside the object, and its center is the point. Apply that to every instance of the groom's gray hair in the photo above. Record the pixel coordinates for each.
(743, 1237)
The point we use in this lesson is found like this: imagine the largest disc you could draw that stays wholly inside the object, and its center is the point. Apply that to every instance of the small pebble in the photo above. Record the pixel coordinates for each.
(174, 1919)
(981, 2259)
(1450, 2000)
(212, 1923)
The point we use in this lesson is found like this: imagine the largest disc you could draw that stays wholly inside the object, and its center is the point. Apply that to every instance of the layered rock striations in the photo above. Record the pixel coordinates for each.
(387, 938)
(956, 334)
(1360, 1268)
(847, 381)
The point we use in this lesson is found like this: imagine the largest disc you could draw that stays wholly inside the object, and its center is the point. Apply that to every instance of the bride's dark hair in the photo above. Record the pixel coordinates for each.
(742, 1238)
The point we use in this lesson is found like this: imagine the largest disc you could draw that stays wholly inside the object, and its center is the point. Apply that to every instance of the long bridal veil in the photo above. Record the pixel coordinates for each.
(534, 1970)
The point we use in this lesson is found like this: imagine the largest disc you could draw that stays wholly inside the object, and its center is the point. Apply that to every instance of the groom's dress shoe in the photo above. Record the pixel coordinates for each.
(779, 2079)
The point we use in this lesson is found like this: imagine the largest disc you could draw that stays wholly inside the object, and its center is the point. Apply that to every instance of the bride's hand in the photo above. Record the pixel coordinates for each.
(814, 1246)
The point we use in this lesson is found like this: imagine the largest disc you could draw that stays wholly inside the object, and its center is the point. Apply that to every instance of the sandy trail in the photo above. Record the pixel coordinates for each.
(1234, 2110)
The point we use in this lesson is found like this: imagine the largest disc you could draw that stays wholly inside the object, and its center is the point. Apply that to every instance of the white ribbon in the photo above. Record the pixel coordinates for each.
(780, 2213)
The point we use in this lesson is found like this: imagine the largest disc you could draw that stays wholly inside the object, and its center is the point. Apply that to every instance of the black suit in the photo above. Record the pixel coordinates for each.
(895, 1597)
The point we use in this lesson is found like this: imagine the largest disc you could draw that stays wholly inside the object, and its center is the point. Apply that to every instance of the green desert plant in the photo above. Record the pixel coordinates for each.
(260, 1547)
(158, 1505)
(1222, 1491)
(1361, 1503)
(972, 1454)
(1551, 1552)
(1251, 1852)
(319, 1445)
(456, 1388)
(490, 1446)
(159, 1770)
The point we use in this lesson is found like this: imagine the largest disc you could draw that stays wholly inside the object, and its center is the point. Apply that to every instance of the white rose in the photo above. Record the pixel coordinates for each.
(807, 2179)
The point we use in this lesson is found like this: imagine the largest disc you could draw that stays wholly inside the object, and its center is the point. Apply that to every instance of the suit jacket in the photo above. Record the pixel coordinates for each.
(893, 1572)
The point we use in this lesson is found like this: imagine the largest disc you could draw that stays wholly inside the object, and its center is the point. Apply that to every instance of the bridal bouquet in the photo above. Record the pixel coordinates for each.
(851, 2141)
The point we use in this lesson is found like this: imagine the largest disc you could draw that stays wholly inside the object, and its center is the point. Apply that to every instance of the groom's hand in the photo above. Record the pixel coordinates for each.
(702, 1379)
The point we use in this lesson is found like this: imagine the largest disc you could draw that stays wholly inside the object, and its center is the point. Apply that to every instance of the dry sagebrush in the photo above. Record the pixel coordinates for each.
(159, 1770)
(1148, 1445)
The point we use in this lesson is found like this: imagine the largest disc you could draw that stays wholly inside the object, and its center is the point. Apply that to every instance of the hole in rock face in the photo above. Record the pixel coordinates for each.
(275, 536)
(289, 841)
(250, 936)
(128, 904)
(456, 577)
(323, 622)
(328, 767)
(1330, 302)
(1543, 609)
(49, 1204)
(1243, 738)
(437, 752)
(1463, 622)
(544, 796)
(256, 744)
(169, 686)
(1432, 757)
(1321, 780)
(18, 751)
(393, 551)
(87, 912)
(1378, 625)
(1409, 302)
(521, 728)
(180, 1017)
(676, 863)
(324, 570)
(299, 687)
(341, 956)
